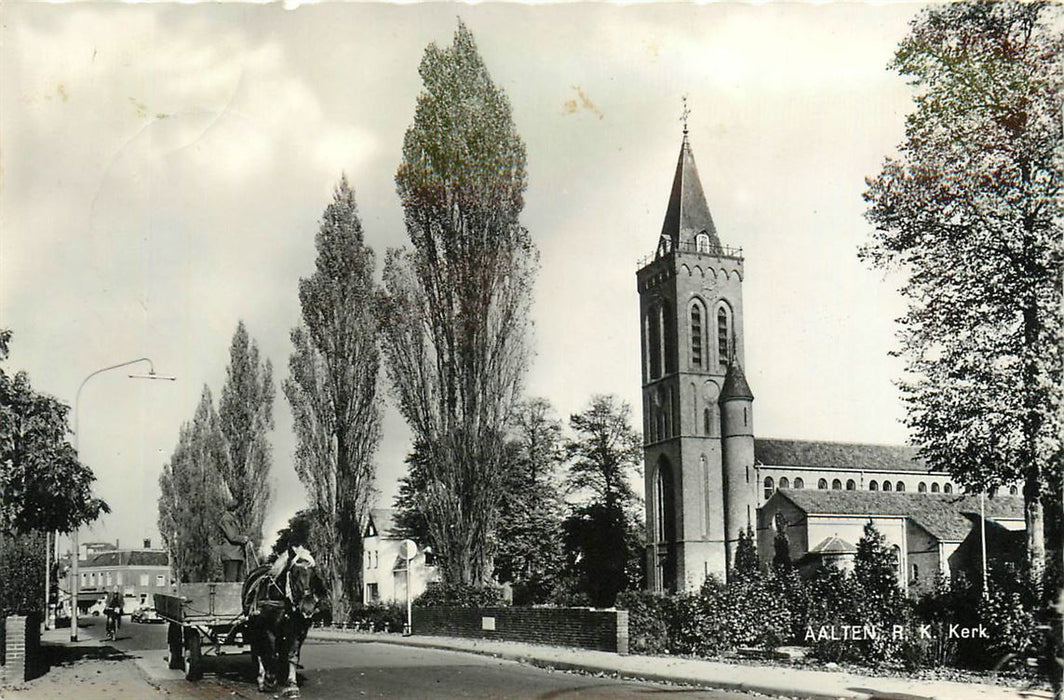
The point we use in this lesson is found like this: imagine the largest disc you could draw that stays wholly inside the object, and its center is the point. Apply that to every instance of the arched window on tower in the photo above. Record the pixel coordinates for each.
(707, 421)
(1012, 491)
(922, 487)
(784, 484)
(900, 486)
(798, 483)
(696, 334)
(702, 242)
(836, 485)
(666, 526)
(934, 487)
(886, 485)
(873, 485)
(851, 485)
(653, 343)
(822, 484)
(768, 487)
(723, 335)
(948, 488)
(668, 338)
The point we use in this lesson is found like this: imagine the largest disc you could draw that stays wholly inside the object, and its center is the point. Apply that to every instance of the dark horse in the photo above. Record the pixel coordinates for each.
(279, 602)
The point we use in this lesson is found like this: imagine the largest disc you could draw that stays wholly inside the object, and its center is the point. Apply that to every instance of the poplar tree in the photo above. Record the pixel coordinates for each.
(245, 410)
(192, 497)
(970, 211)
(332, 390)
(455, 305)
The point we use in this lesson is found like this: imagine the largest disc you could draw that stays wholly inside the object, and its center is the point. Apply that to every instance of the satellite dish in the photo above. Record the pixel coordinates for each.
(407, 549)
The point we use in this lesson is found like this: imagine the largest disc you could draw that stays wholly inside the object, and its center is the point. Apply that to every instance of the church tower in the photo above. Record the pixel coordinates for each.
(697, 406)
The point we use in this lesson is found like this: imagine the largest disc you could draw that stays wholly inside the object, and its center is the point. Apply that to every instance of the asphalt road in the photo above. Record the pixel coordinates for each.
(380, 670)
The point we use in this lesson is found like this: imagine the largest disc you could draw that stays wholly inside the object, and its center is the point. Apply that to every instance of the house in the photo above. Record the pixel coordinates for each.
(137, 573)
(384, 569)
(931, 533)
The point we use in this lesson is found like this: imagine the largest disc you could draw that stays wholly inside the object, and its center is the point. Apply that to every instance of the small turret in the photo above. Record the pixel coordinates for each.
(737, 433)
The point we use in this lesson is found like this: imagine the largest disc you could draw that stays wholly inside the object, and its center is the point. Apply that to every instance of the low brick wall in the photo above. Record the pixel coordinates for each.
(20, 640)
(604, 630)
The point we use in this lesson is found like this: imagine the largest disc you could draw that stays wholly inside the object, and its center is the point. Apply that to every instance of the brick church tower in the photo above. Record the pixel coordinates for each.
(701, 489)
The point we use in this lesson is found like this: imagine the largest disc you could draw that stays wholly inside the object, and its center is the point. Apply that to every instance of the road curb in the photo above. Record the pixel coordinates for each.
(592, 668)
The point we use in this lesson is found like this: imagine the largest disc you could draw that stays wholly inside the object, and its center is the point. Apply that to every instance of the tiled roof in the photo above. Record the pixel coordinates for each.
(688, 214)
(735, 386)
(383, 520)
(833, 545)
(846, 455)
(129, 558)
(942, 515)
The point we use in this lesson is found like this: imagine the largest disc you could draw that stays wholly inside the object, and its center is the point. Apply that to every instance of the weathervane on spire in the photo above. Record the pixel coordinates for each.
(684, 113)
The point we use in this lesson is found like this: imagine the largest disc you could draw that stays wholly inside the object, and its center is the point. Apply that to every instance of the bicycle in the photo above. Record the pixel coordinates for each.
(114, 621)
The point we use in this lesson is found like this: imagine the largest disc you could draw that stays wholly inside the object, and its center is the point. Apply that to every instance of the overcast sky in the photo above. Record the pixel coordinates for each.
(164, 168)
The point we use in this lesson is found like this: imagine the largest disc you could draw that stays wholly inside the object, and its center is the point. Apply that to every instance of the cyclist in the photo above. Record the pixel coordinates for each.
(113, 611)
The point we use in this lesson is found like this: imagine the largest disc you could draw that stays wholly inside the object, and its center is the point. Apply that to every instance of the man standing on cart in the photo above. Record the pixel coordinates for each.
(234, 545)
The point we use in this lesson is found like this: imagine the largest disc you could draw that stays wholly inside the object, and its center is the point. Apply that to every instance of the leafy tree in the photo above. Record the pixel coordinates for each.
(746, 561)
(529, 534)
(246, 413)
(43, 486)
(410, 521)
(880, 600)
(332, 390)
(455, 307)
(971, 211)
(781, 547)
(192, 497)
(298, 532)
(603, 456)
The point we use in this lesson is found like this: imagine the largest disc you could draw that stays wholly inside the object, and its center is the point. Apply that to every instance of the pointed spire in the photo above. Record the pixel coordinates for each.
(687, 214)
(735, 386)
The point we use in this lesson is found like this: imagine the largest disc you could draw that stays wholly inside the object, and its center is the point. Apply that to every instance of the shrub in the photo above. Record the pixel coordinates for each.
(21, 574)
(460, 595)
(649, 616)
(379, 617)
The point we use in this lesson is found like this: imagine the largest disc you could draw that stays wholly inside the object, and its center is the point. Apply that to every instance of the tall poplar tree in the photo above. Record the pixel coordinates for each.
(245, 410)
(192, 497)
(332, 390)
(970, 210)
(455, 307)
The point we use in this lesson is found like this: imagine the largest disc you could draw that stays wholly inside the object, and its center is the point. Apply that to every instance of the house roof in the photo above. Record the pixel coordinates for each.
(833, 545)
(847, 455)
(129, 558)
(946, 517)
(383, 520)
(688, 214)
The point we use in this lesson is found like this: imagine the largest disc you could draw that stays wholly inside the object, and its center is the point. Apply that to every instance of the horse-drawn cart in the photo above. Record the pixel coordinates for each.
(205, 619)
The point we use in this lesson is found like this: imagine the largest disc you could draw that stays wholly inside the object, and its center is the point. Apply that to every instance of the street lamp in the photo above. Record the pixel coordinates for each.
(75, 582)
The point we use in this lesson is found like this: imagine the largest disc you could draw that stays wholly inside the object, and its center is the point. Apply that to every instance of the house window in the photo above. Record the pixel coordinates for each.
(723, 335)
(900, 486)
(118, 578)
(851, 485)
(696, 334)
(784, 483)
(798, 483)
(160, 580)
(836, 485)
(948, 488)
(934, 487)
(768, 487)
(896, 551)
(822, 484)
(886, 485)
(372, 593)
(873, 485)
(143, 580)
(922, 487)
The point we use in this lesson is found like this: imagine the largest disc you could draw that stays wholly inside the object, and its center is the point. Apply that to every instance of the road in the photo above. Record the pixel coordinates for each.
(380, 670)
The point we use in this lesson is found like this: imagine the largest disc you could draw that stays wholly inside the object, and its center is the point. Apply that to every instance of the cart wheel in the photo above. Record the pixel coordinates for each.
(173, 642)
(193, 659)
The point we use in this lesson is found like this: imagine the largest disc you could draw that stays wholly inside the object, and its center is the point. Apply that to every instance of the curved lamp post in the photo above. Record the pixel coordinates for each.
(75, 582)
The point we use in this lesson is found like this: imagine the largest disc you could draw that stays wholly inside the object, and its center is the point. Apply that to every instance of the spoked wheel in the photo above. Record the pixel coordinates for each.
(173, 642)
(193, 658)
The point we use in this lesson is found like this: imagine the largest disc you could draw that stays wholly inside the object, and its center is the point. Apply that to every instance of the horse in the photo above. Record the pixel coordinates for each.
(279, 601)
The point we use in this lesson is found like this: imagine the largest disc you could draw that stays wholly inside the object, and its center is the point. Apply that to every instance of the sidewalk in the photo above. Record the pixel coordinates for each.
(768, 680)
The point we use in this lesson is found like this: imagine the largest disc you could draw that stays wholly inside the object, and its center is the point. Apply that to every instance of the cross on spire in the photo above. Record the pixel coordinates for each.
(684, 113)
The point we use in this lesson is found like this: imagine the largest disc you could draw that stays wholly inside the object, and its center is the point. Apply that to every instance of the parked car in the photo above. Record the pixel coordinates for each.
(145, 615)
(96, 609)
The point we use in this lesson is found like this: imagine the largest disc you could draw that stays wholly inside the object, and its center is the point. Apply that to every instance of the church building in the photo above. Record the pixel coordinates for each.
(708, 477)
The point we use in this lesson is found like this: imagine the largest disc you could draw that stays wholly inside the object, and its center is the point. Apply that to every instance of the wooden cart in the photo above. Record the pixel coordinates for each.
(205, 619)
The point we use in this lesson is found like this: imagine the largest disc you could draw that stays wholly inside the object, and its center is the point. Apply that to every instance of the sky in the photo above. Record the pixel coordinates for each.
(164, 168)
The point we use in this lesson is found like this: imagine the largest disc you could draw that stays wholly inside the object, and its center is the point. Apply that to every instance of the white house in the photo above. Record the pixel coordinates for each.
(384, 573)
